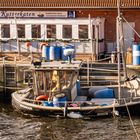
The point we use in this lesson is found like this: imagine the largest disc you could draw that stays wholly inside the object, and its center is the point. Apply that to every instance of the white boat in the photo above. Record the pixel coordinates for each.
(66, 98)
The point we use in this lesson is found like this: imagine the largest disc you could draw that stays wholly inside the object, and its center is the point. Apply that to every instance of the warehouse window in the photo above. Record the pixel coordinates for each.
(83, 31)
(51, 31)
(5, 30)
(36, 31)
(21, 30)
(67, 31)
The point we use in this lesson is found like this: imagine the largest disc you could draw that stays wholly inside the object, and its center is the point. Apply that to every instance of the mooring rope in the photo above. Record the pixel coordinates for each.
(131, 27)
(102, 59)
(131, 121)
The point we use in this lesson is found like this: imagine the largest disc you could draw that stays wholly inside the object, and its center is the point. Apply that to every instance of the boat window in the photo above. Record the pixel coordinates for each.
(36, 31)
(52, 81)
(21, 30)
(67, 31)
(28, 78)
(40, 81)
(51, 31)
(83, 31)
(5, 30)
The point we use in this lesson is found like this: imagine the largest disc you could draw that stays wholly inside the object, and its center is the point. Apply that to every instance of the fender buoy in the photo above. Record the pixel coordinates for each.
(42, 97)
(27, 44)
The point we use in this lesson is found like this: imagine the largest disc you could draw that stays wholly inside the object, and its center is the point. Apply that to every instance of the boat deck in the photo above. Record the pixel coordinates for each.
(75, 65)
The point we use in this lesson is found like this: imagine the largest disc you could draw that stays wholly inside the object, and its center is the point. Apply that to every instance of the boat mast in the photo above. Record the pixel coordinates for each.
(118, 50)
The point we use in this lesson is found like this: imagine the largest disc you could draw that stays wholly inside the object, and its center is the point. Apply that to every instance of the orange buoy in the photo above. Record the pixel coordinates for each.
(42, 97)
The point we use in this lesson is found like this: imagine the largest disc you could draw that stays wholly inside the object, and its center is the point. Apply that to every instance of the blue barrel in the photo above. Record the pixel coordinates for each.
(57, 52)
(46, 52)
(47, 103)
(104, 93)
(59, 100)
(136, 54)
(69, 46)
(51, 53)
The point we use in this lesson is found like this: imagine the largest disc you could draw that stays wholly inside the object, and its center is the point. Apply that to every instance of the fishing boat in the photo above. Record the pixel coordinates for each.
(56, 90)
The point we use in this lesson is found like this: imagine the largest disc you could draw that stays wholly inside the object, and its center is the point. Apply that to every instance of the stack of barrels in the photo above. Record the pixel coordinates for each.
(55, 52)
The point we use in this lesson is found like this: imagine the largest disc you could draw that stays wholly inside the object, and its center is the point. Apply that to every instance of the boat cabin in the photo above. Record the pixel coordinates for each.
(56, 78)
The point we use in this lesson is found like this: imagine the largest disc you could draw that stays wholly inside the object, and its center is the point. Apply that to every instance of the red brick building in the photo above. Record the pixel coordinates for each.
(89, 19)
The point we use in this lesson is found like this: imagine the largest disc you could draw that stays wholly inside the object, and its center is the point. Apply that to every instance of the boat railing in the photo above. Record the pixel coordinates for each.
(127, 100)
(94, 102)
(32, 101)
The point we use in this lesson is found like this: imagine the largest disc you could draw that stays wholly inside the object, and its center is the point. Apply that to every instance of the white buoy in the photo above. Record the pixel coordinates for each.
(52, 56)
(74, 115)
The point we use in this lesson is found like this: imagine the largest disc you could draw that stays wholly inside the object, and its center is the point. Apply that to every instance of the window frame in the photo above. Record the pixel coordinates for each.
(32, 33)
(87, 33)
(66, 30)
(20, 30)
(2, 32)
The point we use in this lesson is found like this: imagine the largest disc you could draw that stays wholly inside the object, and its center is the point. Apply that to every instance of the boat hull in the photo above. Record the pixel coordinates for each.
(24, 107)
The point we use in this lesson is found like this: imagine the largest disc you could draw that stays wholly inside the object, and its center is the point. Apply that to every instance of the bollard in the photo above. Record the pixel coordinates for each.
(129, 56)
(112, 57)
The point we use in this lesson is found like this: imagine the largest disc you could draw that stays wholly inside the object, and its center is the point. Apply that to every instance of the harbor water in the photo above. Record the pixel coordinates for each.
(14, 126)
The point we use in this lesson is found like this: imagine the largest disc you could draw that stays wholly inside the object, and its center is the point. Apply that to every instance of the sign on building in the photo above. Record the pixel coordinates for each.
(37, 14)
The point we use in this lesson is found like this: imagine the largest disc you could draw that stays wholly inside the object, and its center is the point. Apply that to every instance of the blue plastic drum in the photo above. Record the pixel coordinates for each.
(104, 93)
(57, 52)
(45, 52)
(59, 100)
(46, 103)
(136, 54)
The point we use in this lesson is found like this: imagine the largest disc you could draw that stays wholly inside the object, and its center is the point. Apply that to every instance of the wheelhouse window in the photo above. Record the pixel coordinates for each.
(36, 31)
(5, 30)
(83, 31)
(28, 78)
(21, 30)
(67, 31)
(51, 31)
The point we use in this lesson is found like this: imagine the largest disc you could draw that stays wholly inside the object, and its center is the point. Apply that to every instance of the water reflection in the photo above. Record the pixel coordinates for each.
(14, 126)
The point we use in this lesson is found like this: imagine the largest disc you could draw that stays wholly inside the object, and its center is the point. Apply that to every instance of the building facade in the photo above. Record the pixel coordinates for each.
(90, 25)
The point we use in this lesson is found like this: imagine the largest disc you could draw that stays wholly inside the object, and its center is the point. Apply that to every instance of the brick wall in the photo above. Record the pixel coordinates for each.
(110, 20)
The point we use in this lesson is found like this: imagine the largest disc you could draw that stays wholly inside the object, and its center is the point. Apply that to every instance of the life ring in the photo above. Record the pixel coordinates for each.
(43, 44)
(42, 97)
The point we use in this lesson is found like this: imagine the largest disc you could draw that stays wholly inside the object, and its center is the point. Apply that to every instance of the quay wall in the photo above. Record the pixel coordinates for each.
(12, 77)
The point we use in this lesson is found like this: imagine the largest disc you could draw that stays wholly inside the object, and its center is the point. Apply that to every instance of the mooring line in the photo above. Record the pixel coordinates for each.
(131, 121)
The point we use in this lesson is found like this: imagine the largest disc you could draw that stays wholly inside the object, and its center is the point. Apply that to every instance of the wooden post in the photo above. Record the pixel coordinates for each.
(87, 71)
(18, 45)
(96, 41)
(45, 83)
(91, 36)
(35, 84)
